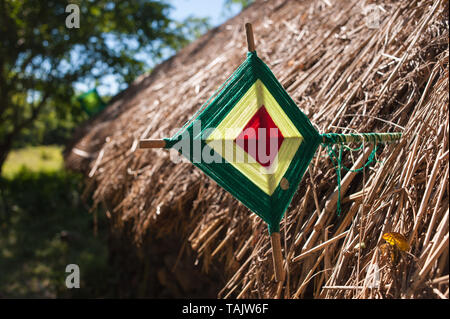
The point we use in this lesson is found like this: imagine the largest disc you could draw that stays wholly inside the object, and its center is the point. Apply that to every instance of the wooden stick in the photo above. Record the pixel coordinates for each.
(152, 143)
(319, 247)
(274, 237)
(277, 256)
(250, 38)
(439, 280)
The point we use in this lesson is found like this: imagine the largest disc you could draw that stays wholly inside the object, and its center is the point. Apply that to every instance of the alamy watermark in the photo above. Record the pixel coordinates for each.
(373, 15)
(73, 19)
(73, 279)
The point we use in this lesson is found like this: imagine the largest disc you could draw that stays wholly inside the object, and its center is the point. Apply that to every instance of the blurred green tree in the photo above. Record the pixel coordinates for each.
(41, 58)
(242, 3)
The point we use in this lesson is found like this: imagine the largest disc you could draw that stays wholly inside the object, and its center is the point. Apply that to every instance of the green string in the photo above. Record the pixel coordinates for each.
(335, 138)
(330, 139)
(339, 182)
(332, 155)
(337, 163)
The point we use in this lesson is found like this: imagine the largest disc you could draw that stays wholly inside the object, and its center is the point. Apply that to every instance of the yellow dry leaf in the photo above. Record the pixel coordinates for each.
(397, 240)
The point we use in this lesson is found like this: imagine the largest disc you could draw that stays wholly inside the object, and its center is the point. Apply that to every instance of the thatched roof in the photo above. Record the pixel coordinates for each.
(348, 73)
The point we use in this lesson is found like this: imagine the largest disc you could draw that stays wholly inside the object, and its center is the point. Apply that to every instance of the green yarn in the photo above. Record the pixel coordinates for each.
(332, 155)
(334, 138)
(330, 139)
(337, 162)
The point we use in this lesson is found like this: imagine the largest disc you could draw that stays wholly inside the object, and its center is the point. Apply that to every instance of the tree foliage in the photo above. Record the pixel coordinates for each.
(242, 3)
(40, 58)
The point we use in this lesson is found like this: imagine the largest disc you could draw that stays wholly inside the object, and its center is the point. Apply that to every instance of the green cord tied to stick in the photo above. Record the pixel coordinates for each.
(334, 138)
(330, 139)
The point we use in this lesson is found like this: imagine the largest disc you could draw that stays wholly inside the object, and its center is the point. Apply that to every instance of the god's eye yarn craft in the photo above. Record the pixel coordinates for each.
(253, 140)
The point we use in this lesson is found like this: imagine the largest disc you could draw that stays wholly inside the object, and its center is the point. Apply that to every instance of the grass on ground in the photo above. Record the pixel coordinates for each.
(34, 159)
(44, 226)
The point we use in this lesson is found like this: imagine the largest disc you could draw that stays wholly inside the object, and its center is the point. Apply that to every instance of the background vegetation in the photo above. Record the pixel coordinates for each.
(41, 58)
(44, 227)
(44, 223)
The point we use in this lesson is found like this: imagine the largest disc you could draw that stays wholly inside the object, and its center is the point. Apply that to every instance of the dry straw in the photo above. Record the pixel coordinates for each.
(351, 66)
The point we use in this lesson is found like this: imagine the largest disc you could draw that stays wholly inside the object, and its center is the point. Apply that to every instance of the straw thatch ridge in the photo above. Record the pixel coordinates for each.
(351, 66)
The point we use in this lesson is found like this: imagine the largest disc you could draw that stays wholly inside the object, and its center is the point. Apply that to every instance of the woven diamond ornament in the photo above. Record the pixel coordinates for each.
(254, 141)
(253, 109)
